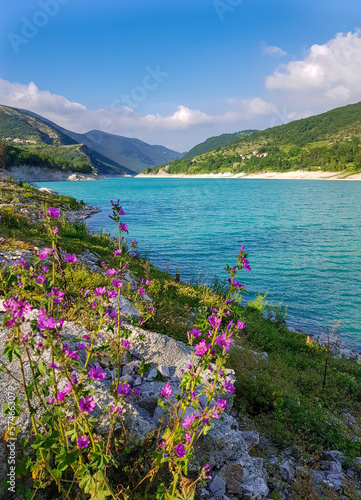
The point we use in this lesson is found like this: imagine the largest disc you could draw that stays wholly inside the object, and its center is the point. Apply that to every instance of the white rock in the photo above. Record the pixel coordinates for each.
(164, 370)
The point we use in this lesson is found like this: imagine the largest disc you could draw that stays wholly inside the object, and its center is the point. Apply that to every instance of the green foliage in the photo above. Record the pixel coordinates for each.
(216, 142)
(15, 156)
(53, 148)
(284, 393)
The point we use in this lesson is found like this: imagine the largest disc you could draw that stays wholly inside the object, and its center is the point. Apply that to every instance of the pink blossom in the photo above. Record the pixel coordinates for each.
(117, 283)
(100, 291)
(166, 391)
(180, 450)
(246, 265)
(67, 389)
(224, 341)
(45, 323)
(71, 354)
(60, 396)
(229, 387)
(44, 253)
(87, 404)
(214, 321)
(200, 348)
(194, 333)
(83, 442)
(188, 421)
(222, 404)
(21, 308)
(124, 389)
(188, 437)
(71, 258)
(96, 373)
(54, 212)
(40, 279)
(125, 343)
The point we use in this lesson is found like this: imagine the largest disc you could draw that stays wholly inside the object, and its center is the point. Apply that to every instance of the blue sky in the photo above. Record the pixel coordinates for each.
(176, 72)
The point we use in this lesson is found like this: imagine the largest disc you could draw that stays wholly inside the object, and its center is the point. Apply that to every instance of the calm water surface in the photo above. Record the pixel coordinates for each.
(303, 237)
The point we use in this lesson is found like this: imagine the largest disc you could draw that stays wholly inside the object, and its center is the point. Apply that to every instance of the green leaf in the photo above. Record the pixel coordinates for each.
(206, 429)
(186, 381)
(52, 439)
(94, 485)
(42, 368)
(66, 458)
(144, 367)
(161, 491)
(11, 351)
(39, 442)
(28, 494)
(99, 460)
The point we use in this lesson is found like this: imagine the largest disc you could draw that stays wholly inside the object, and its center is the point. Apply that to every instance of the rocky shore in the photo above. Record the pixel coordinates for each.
(244, 464)
(37, 174)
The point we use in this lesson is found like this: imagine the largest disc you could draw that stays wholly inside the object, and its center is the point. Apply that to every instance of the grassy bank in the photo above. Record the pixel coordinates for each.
(299, 395)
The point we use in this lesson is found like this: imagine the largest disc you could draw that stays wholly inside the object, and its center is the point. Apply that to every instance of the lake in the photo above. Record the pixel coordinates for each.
(303, 237)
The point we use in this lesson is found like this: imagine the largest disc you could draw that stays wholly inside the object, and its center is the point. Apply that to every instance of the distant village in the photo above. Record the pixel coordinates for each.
(255, 153)
(19, 141)
(243, 157)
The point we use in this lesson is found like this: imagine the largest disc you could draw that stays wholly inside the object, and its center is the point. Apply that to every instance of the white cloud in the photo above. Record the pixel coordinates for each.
(272, 50)
(116, 119)
(250, 108)
(328, 75)
(30, 97)
(123, 120)
(258, 106)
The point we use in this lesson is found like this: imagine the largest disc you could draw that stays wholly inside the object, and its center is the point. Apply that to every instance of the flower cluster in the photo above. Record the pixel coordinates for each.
(66, 372)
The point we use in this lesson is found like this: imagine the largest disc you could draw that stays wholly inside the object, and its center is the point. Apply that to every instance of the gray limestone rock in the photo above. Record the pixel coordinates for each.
(126, 307)
(218, 487)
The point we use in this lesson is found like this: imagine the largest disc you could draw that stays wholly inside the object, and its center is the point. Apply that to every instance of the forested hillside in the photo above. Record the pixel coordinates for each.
(44, 144)
(329, 142)
(12, 156)
(216, 142)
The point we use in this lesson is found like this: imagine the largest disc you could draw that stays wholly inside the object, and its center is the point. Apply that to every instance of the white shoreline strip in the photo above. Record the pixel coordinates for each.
(292, 175)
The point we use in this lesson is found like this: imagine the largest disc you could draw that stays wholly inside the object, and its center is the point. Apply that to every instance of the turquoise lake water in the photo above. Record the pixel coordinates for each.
(303, 237)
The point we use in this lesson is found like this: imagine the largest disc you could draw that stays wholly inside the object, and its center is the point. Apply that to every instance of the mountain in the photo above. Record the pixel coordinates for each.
(132, 153)
(40, 136)
(107, 153)
(330, 141)
(216, 142)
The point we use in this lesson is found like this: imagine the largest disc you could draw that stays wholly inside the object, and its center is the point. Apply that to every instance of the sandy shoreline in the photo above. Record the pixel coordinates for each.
(296, 175)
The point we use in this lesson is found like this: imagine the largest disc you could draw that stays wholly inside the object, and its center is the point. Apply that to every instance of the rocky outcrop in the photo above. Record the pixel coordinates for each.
(83, 213)
(38, 174)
